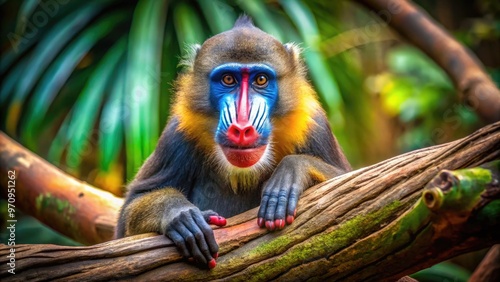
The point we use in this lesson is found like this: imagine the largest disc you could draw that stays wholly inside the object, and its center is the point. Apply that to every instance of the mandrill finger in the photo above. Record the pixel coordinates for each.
(281, 208)
(179, 242)
(279, 224)
(270, 225)
(292, 204)
(271, 211)
(212, 263)
(208, 236)
(214, 218)
(260, 222)
(217, 220)
(191, 243)
(291, 218)
(264, 202)
(196, 230)
(262, 209)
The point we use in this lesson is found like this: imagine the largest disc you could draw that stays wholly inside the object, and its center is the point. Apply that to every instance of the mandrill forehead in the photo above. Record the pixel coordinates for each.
(244, 45)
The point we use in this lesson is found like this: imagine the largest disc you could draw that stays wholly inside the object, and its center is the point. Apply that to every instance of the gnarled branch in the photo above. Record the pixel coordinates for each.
(363, 225)
(70, 206)
(462, 66)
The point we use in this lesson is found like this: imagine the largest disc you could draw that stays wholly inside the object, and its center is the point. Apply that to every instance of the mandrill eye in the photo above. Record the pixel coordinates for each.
(261, 80)
(228, 80)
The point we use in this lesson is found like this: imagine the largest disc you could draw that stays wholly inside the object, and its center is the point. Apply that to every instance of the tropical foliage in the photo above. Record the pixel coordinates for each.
(87, 84)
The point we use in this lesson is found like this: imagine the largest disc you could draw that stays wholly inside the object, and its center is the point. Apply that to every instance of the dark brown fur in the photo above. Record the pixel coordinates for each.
(182, 179)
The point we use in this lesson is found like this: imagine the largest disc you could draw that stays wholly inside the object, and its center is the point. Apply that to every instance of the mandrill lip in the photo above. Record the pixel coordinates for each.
(243, 157)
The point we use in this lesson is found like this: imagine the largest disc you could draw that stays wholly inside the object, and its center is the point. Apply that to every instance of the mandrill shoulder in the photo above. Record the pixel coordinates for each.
(306, 130)
(173, 163)
(292, 130)
(321, 143)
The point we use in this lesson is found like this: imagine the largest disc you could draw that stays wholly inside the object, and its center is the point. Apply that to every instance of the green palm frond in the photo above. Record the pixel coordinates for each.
(320, 72)
(220, 16)
(143, 76)
(94, 84)
(84, 115)
(48, 51)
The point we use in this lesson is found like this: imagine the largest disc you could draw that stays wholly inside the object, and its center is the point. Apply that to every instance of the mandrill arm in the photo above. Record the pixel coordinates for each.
(166, 210)
(294, 174)
(171, 214)
(245, 128)
(318, 160)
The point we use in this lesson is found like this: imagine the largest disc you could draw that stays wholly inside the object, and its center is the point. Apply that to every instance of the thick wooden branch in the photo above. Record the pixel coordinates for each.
(489, 268)
(70, 206)
(460, 63)
(365, 225)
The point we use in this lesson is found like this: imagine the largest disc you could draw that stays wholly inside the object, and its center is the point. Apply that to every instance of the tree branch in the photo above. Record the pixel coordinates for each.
(489, 268)
(365, 225)
(460, 63)
(70, 206)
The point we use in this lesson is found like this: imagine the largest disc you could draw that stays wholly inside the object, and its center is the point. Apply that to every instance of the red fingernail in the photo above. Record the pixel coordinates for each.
(270, 225)
(212, 263)
(217, 220)
(289, 219)
(280, 223)
(222, 221)
(215, 256)
(191, 259)
(260, 222)
(212, 219)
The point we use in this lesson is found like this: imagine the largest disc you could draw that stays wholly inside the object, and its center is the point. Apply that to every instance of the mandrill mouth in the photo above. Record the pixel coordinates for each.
(243, 157)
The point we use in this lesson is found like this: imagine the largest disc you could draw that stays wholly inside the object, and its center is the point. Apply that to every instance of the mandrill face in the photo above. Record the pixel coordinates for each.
(245, 96)
(244, 79)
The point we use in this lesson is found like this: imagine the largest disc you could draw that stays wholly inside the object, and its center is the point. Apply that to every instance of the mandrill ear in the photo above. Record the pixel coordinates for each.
(294, 51)
(187, 62)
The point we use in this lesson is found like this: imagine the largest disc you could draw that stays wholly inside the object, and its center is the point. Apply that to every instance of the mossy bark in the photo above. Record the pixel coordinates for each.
(64, 203)
(369, 224)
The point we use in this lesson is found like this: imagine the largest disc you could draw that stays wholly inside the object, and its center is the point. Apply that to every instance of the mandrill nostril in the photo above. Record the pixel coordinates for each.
(242, 136)
(249, 132)
(234, 131)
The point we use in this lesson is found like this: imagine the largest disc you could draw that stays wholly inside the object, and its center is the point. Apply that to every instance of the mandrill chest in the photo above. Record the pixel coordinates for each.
(245, 96)
(209, 194)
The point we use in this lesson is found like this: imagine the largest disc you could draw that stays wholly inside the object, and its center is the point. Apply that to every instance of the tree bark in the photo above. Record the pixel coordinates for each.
(461, 64)
(70, 206)
(365, 225)
(489, 268)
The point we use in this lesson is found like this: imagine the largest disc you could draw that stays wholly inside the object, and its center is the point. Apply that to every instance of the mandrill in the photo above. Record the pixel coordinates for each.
(246, 128)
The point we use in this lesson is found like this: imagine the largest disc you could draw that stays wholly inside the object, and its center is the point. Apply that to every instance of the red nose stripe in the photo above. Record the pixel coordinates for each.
(243, 103)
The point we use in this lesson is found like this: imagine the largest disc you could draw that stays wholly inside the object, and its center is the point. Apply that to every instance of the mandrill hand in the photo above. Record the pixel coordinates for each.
(191, 233)
(280, 196)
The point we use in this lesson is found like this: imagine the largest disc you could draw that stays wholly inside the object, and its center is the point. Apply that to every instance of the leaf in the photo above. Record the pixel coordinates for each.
(111, 125)
(168, 71)
(28, 32)
(8, 85)
(25, 11)
(80, 131)
(321, 74)
(220, 16)
(413, 62)
(143, 81)
(43, 54)
(188, 26)
(61, 69)
(263, 17)
(444, 271)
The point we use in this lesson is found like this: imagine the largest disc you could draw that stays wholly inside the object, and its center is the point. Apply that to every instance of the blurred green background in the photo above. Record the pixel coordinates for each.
(87, 85)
